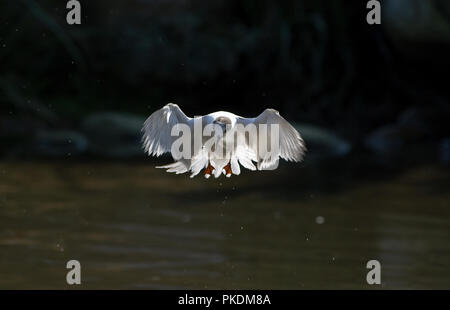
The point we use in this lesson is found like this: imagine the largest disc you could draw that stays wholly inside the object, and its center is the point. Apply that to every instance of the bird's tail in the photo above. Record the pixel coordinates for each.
(177, 167)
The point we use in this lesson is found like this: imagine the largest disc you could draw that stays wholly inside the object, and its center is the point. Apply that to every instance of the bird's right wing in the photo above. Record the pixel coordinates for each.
(157, 138)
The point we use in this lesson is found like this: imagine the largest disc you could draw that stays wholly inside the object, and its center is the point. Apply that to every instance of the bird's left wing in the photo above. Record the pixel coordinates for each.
(291, 146)
(157, 138)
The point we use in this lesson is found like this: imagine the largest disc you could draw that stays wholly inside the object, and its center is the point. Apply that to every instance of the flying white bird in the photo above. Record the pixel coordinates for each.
(158, 138)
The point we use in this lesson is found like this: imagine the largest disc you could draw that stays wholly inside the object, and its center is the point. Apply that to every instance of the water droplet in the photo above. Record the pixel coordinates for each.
(320, 220)
(60, 247)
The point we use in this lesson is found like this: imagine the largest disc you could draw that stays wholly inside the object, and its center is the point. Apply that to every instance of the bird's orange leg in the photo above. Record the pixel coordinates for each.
(209, 170)
(228, 171)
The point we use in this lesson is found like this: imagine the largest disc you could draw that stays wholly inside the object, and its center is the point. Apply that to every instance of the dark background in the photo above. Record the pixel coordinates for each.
(371, 102)
(383, 87)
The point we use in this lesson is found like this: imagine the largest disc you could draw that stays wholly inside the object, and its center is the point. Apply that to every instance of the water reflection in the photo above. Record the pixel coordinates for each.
(133, 226)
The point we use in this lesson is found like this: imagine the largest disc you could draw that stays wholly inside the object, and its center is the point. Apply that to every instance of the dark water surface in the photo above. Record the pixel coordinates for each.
(299, 227)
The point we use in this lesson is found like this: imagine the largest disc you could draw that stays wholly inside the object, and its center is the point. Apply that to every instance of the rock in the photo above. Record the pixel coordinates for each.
(321, 142)
(115, 135)
(387, 139)
(413, 118)
(415, 126)
(426, 120)
(444, 151)
(419, 30)
(17, 134)
(18, 127)
(417, 20)
(59, 143)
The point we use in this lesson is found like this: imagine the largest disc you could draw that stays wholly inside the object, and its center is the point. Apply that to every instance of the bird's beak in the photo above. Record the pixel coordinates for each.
(222, 125)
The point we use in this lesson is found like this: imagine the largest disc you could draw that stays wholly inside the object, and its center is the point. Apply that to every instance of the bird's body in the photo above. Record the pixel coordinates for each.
(226, 141)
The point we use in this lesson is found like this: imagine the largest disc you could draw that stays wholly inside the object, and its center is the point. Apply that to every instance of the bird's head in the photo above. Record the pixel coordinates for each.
(224, 122)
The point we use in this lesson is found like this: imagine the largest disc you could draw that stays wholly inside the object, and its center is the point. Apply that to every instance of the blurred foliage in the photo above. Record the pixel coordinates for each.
(313, 60)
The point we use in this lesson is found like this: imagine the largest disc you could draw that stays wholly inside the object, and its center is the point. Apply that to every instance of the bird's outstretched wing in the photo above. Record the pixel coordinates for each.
(291, 145)
(157, 138)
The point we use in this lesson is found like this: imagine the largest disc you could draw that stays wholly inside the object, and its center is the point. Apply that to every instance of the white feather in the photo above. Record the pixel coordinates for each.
(291, 145)
(157, 140)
